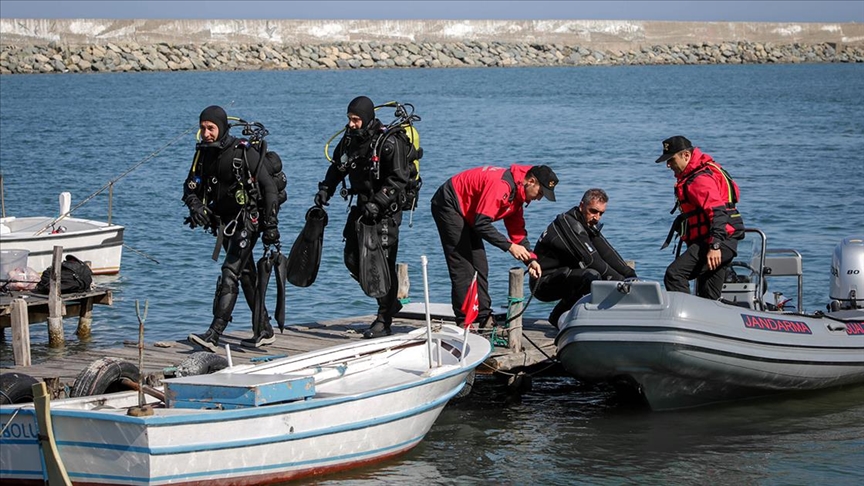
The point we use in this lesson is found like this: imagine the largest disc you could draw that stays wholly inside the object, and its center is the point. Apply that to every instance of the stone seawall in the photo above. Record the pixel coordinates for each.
(52, 46)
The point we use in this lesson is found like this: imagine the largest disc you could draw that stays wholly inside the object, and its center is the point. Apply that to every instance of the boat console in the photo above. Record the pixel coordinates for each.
(748, 288)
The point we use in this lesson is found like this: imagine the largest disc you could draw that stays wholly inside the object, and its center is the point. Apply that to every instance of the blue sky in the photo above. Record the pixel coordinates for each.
(733, 11)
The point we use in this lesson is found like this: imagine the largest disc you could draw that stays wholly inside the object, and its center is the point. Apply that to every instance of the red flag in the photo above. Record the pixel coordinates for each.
(471, 305)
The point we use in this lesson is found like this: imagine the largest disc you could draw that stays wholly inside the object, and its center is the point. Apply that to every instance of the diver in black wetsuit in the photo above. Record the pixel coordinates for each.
(573, 253)
(222, 198)
(376, 163)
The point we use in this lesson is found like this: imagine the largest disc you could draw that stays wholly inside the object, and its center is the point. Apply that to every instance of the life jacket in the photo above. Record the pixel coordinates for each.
(694, 223)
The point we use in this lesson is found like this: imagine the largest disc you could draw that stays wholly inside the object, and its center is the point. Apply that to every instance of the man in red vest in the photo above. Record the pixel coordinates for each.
(709, 222)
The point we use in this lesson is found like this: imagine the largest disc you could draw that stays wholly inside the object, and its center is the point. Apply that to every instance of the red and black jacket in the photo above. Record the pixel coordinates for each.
(488, 194)
(706, 196)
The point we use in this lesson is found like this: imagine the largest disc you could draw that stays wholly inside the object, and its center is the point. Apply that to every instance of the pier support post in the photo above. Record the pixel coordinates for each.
(55, 303)
(85, 316)
(20, 333)
(85, 319)
(402, 279)
(516, 293)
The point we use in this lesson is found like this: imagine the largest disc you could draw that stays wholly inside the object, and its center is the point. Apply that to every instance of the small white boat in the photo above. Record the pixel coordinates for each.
(678, 351)
(96, 242)
(318, 412)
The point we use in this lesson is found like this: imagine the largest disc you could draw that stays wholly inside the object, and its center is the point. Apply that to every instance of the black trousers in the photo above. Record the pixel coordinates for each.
(238, 270)
(465, 254)
(388, 228)
(564, 283)
(693, 265)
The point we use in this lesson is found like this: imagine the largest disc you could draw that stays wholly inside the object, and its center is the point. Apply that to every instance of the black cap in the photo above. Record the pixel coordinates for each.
(672, 146)
(364, 108)
(547, 179)
(217, 115)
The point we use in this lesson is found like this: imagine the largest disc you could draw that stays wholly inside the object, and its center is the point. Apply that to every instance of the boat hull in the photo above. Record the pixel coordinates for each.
(379, 411)
(96, 242)
(681, 351)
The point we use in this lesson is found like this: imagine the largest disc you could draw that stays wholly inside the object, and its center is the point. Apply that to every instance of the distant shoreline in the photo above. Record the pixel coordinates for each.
(54, 58)
(84, 45)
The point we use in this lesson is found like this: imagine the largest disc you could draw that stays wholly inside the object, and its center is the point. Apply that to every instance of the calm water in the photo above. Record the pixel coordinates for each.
(792, 136)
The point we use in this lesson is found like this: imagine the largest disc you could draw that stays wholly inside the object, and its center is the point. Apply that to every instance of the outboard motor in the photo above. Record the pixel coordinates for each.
(847, 275)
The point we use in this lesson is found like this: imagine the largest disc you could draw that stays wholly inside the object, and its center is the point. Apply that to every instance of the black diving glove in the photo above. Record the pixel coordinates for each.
(198, 214)
(321, 197)
(270, 236)
(371, 210)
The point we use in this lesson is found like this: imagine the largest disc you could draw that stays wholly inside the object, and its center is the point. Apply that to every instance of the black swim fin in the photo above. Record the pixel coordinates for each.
(259, 309)
(280, 263)
(374, 275)
(305, 256)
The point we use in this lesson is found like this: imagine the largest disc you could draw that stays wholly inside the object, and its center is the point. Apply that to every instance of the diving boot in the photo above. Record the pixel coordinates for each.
(557, 312)
(209, 340)
(223, 304)
(263, 338)
(378, 329)
(488, 321)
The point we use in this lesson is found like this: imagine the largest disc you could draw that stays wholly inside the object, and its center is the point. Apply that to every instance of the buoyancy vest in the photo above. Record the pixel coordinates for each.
(242, 176)
(376, 165)
(707, 197)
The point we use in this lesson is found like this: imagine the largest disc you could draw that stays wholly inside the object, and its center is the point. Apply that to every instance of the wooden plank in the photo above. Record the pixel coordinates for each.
(37, 304)
(20, 333)
(515, 293)
(56, 339)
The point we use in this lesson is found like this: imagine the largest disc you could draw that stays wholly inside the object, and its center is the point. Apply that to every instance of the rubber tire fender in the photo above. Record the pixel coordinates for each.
(104, 376)
(16, 388)
(201, 363)
(469, 385)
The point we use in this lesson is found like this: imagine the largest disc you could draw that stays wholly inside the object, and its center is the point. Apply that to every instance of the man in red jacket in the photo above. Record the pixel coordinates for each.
(464, 208)
(709, 222)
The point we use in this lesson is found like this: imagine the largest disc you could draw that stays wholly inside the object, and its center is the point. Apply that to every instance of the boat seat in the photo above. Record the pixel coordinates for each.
(739, 294)
(737, 303)
(783, 266)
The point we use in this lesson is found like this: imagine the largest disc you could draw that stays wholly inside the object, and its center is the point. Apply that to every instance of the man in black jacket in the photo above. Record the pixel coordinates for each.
(376, 162)
(226, 192)
(573, 253)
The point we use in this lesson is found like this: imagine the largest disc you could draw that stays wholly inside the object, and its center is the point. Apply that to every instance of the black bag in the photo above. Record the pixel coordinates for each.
(75, 276)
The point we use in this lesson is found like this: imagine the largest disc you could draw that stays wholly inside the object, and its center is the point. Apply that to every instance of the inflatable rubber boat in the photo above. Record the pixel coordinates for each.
(678, 350)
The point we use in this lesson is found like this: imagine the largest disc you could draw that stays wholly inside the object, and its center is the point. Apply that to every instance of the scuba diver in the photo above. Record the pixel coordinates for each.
(375, 159)
(573, 253)
(228, 194)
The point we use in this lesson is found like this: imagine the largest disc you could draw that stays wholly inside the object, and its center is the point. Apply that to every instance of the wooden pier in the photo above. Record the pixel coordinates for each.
(518, 345)
(162, 356)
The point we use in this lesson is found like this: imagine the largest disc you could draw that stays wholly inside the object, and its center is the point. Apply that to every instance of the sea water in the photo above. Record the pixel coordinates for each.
(792, 136)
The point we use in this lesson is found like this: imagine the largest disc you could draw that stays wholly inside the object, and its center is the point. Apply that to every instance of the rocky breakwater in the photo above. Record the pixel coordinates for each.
(55, 57)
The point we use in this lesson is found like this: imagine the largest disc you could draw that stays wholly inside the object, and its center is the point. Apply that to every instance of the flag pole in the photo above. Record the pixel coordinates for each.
(424, 261)
(467, 327)
(464, 343)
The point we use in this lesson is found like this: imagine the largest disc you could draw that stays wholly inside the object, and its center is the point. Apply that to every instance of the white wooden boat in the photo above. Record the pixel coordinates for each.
(677, 350)
(322, 411)
(97, 242)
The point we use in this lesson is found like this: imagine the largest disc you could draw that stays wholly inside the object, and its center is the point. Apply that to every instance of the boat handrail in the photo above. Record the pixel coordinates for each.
(776, 262)
(786, 262)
